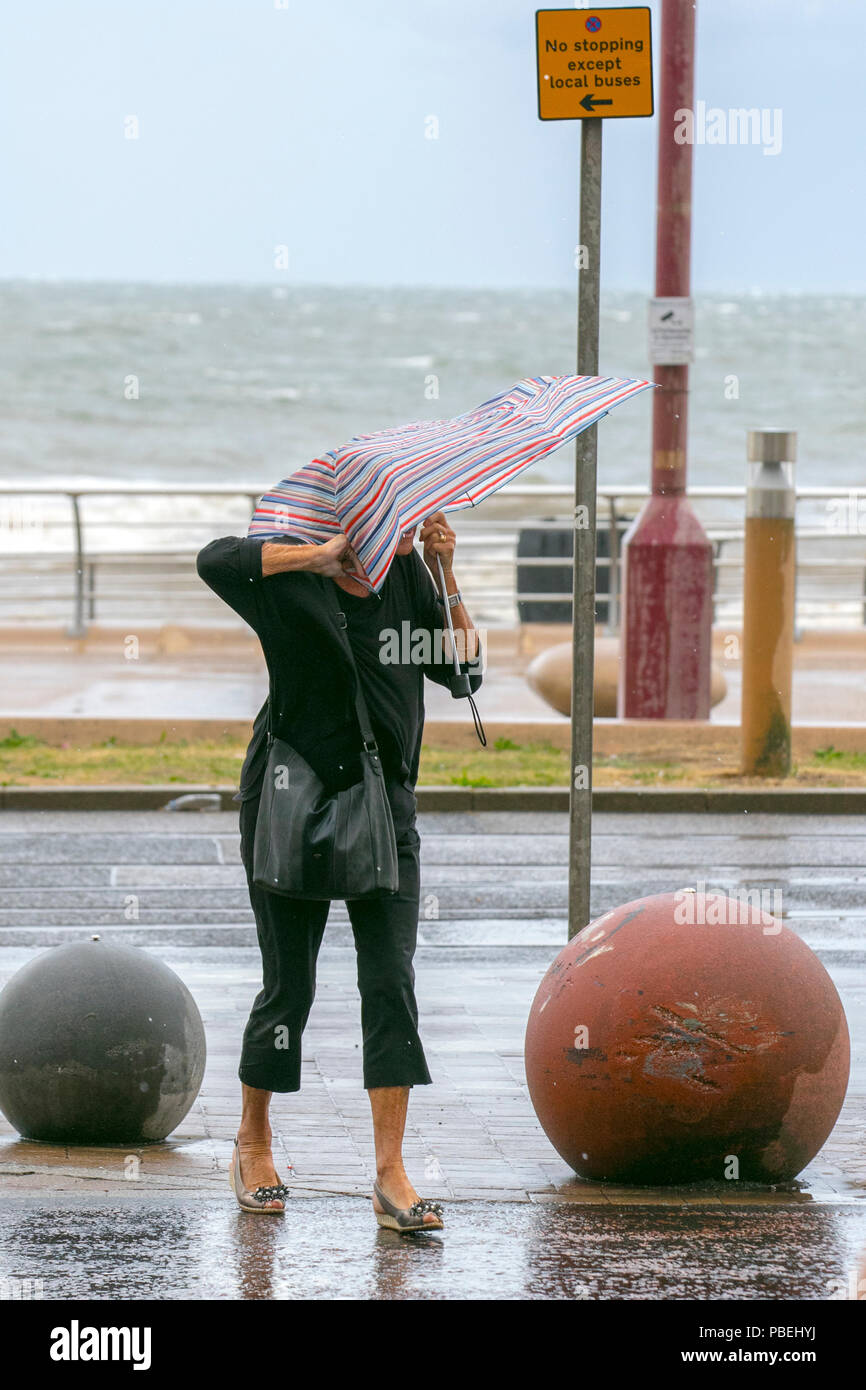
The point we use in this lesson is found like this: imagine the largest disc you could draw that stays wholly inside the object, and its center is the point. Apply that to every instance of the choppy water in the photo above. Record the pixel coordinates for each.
(244, 384)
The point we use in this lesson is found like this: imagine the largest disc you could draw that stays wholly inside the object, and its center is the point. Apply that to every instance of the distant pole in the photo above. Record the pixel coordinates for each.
(584, 522)
(667, 559)
(79, 626)
(768, 604)
(673, 239)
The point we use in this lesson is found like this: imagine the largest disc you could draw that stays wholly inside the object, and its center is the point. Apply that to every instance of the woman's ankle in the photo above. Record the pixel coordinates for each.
(250, 1136)
(394, 1168)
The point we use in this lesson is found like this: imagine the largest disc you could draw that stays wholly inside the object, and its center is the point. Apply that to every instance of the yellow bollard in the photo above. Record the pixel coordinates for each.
(769, 578)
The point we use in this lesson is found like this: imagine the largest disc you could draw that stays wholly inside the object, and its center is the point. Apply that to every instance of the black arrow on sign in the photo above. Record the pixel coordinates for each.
(589, 102)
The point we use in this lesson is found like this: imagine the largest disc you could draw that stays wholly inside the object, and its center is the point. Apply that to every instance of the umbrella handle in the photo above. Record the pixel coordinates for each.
(460, 685)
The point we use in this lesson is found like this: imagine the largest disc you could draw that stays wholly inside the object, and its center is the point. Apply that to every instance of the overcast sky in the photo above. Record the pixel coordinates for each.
(304, 125)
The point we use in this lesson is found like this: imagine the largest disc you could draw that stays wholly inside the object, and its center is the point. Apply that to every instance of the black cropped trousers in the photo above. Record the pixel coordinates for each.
(290, 933)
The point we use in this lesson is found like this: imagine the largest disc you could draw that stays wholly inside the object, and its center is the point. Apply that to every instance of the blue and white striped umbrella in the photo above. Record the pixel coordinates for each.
(379, 485)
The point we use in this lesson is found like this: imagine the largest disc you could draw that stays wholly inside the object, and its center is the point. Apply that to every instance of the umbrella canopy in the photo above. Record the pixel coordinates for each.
(379, 485)
(302, 505)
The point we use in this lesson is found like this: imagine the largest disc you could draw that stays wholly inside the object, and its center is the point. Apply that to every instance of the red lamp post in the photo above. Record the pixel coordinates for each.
(667, 560)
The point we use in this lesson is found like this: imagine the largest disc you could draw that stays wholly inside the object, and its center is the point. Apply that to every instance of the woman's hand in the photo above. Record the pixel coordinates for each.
(438, 539)
(335, 558)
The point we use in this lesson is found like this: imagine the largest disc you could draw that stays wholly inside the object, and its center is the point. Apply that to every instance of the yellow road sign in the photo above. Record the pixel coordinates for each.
(594, 63)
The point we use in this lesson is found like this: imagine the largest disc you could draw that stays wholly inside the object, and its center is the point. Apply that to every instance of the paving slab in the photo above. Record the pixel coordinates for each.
(23, 848)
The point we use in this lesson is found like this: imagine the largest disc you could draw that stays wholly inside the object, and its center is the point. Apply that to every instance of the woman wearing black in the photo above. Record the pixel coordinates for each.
(278, 588)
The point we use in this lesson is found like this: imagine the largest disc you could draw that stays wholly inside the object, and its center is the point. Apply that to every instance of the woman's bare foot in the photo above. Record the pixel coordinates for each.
(399, 1190)
(257, 1164)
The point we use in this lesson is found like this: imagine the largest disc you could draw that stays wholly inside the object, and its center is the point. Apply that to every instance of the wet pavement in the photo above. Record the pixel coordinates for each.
(114, 1248)
(161, 1222)
(219, 673)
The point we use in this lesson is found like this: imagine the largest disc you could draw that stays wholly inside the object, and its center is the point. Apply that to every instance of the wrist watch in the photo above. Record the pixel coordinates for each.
(454, 600)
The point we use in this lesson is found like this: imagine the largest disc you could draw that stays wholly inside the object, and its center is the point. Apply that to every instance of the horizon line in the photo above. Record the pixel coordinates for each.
(752, 291)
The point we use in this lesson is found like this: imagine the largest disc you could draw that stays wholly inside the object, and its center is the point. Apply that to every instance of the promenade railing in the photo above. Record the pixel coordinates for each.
(125, 553)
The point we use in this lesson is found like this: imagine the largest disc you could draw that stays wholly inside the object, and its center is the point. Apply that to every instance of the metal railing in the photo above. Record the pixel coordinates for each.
(125, 552)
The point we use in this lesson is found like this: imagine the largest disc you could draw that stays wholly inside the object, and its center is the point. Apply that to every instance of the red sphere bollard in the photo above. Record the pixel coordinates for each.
(684, 1037)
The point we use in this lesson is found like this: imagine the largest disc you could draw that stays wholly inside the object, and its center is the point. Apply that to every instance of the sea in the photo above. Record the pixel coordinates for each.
(239, 384)
(247, 383)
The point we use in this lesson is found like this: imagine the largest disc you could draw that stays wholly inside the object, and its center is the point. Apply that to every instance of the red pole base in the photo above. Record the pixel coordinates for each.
(667, 614)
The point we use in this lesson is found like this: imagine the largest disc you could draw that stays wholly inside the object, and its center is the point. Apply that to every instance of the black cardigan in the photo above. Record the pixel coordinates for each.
(311, 675)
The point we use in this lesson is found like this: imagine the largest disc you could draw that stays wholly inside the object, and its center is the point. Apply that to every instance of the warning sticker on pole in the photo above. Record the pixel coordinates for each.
(671, 332)
(594, 63)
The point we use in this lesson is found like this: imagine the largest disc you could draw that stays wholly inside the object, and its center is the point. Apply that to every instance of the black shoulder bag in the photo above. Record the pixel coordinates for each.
(309, 844)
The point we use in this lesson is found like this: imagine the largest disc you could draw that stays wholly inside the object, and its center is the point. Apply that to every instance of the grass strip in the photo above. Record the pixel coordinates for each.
(27, 761)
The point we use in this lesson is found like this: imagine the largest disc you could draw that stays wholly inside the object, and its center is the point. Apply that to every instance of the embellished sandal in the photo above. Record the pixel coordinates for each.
(407, 1218)
(262, 1198)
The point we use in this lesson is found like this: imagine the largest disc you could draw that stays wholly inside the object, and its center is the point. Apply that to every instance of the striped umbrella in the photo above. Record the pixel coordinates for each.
(302, 505)
(379, 485)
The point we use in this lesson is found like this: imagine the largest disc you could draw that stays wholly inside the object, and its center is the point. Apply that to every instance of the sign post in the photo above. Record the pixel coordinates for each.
(592, 65)
(584, 522)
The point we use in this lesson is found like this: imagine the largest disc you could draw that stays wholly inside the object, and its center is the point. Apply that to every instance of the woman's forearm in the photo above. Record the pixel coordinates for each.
(467, 645)
(333, 557)
(278, 557)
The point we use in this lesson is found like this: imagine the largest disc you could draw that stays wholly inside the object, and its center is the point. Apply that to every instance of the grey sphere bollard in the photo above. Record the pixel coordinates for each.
(99, 1044)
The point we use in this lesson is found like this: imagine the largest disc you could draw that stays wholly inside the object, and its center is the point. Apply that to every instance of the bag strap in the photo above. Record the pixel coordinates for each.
(367, 735)
(270, 724)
